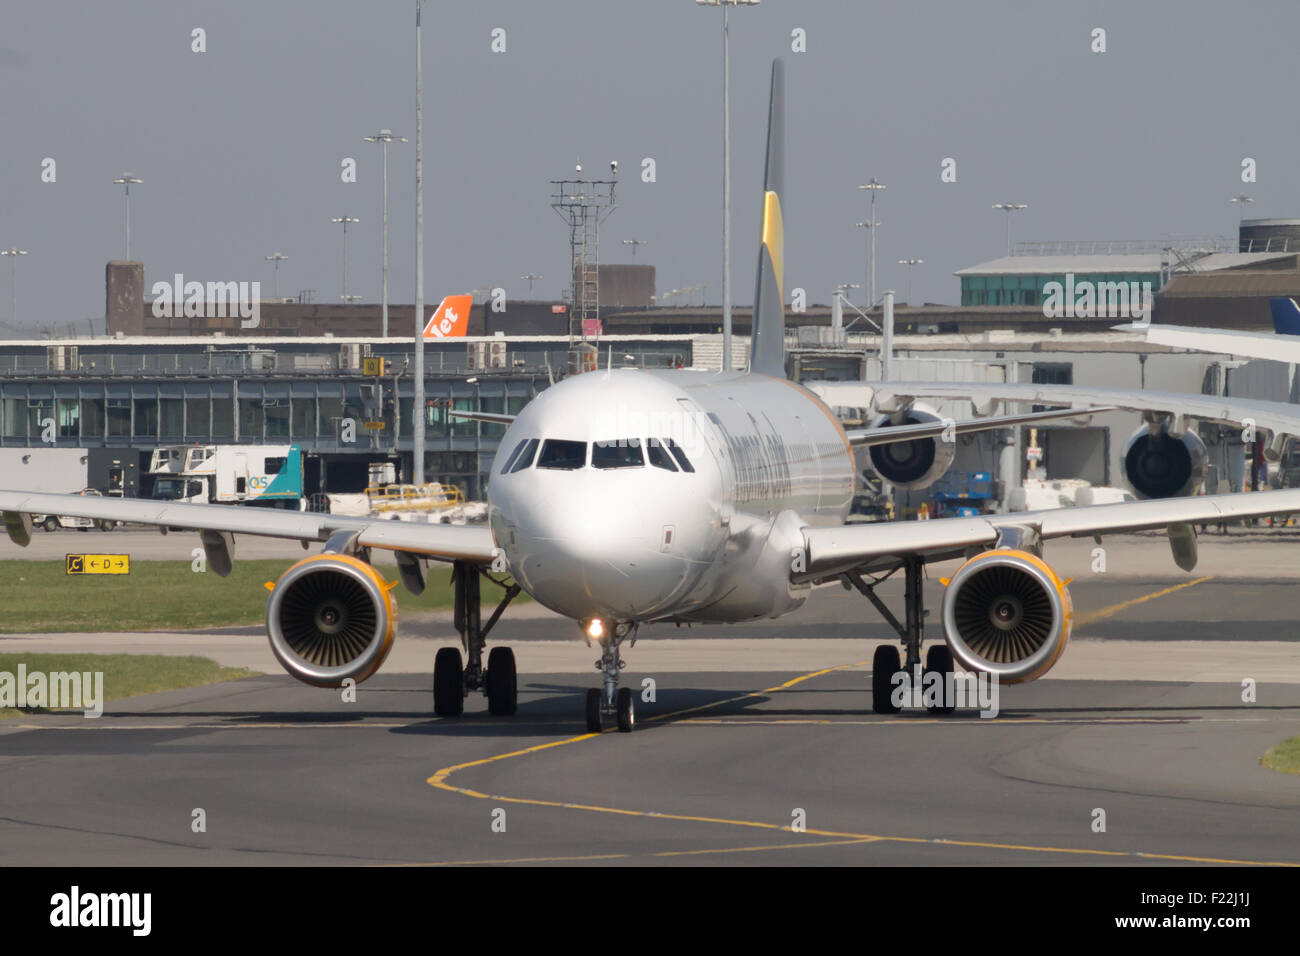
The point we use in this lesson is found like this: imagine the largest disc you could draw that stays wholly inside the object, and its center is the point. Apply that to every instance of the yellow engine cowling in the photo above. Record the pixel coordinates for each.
(1006, 612)
(331, 617)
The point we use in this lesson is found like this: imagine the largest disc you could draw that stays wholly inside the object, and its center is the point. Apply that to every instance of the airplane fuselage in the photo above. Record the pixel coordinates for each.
(608, 522)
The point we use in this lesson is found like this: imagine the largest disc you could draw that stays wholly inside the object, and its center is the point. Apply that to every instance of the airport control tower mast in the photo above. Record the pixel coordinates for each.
(584, 204)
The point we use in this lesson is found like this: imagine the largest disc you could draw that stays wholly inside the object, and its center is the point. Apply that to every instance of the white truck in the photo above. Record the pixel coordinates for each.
(55, 522)
(248, 474)
(65, 470)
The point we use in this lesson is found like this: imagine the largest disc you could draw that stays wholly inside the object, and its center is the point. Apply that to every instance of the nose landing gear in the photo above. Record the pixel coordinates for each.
(610, 700)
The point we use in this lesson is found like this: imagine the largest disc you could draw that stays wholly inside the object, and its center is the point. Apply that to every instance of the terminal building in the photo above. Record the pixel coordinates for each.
(303, 375)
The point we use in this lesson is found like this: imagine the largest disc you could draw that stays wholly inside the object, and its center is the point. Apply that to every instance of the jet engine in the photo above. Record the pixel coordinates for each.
(1161, 466)
(1005, 612)
(917, 463)
(331, 617)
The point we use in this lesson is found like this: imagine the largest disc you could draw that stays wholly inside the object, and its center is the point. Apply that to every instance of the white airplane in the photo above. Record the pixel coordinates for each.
(621, 497)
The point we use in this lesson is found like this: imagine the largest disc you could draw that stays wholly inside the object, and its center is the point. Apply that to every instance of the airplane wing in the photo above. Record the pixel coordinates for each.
(441, 541)
(888, 434)
(1260, 345)
(881, 546)
(491, 417)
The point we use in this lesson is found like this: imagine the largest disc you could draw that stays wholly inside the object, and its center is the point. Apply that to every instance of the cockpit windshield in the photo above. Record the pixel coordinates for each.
(562, 455)
(659, 457)
(623, 453)
(505, 469)
(680, 455)
(559, 454)
(523, 455)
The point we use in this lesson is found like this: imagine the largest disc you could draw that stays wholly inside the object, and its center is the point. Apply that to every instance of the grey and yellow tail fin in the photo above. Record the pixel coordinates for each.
(767, 345)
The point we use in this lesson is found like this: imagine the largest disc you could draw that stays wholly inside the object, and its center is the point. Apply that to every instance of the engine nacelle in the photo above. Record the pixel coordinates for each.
(1161, 466)
(331, 617)
(917, 463)
(1005, 612)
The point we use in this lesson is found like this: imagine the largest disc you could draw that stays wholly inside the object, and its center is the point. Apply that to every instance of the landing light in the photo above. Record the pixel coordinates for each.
(596, 628)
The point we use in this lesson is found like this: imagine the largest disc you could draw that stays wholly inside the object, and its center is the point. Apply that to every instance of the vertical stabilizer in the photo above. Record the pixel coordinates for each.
(767, 344)
(1286, 316)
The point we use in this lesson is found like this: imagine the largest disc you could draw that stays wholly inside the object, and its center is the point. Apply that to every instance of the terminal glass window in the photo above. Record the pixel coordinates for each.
(304, 417)
(463, 427)
(277, 417)
(198, 418)
(1053, 373)
(251, 419)
(146, 417)
(119, 418)
(92, 417)
(15, 419)
(170, 412)
(496, 405)
(331, 411)
(405, 419)
(69, 418)
(223, 418)
(37, 413)
(435, 422)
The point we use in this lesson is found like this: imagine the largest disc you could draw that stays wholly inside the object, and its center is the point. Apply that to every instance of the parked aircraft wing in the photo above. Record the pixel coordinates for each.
(1274, 417)
(888, 434)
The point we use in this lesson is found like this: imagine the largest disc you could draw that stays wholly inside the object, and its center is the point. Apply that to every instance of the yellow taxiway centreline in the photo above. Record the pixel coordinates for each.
(439, 780)
(1088, 617)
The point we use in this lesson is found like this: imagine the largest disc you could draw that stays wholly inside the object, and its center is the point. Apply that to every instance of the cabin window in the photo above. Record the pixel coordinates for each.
(625, 453)
(563, 455)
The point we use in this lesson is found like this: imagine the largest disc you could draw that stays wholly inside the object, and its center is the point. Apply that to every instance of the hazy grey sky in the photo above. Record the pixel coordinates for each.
(240, 147)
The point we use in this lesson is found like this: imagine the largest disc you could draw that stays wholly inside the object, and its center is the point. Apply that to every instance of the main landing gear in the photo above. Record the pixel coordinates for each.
(610, 700)
(453, 681)
(887, 689)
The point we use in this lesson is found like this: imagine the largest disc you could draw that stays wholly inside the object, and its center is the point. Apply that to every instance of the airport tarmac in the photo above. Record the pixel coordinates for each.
(1143, 719)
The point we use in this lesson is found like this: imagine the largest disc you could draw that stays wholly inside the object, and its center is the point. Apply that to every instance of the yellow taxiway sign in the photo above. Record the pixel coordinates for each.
(98, 563)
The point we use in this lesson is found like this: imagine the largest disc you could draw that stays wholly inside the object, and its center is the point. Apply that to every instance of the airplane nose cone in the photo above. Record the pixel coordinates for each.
(593, 555)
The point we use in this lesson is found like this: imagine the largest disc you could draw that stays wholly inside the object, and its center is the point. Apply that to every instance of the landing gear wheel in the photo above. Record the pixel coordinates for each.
(502, 686)
(884, 665)
(939, 659)
(448, 683)
(593, 711)
(626, 710)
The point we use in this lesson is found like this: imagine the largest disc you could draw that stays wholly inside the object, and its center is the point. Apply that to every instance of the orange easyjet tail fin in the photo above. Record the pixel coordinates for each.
(451, 320)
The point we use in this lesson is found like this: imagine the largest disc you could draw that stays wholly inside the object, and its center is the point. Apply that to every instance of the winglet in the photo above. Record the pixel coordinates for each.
(767, 344)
